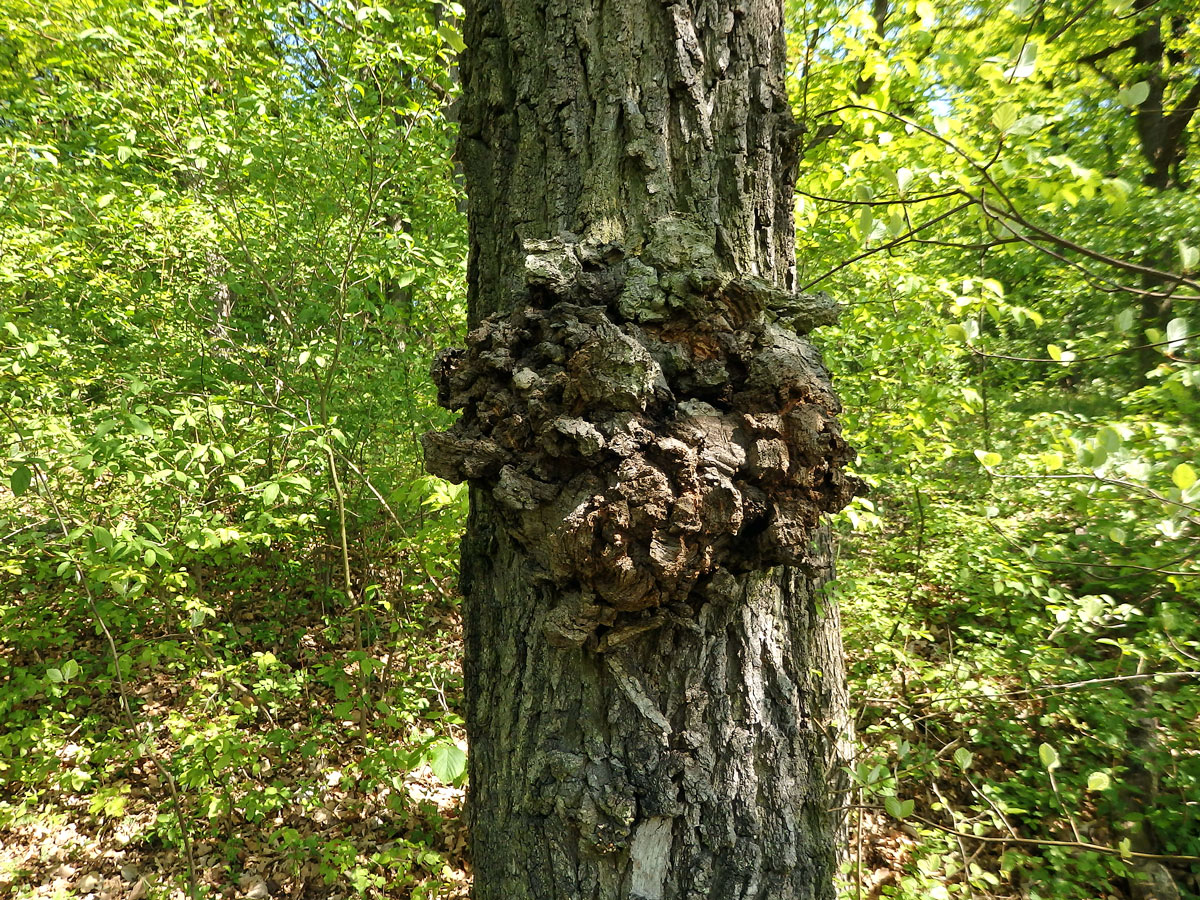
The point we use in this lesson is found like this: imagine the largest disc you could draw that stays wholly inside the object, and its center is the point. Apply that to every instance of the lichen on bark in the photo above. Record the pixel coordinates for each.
(643, 420)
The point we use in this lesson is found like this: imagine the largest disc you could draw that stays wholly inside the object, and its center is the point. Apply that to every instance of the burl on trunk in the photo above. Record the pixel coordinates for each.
(655, 692)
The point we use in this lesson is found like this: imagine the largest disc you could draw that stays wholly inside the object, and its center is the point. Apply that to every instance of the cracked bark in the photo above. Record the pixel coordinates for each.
(655, 691)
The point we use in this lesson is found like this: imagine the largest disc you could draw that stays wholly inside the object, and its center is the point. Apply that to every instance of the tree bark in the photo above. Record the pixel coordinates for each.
(655, 689)
(1163, 141)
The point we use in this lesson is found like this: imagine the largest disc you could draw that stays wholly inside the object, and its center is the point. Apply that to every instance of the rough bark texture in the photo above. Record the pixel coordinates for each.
(654, 682)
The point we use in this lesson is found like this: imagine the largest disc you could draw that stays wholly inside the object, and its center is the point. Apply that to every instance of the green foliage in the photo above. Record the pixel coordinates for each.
(1019, 376)
(230, 241)
(229, 246)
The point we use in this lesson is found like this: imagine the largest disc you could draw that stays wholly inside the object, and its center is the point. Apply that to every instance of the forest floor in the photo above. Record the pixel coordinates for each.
(281, 798)
(285, 793)
(288, 793)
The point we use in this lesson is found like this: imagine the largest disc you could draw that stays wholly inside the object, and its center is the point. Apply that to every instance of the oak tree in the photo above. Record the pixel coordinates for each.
(655, 691)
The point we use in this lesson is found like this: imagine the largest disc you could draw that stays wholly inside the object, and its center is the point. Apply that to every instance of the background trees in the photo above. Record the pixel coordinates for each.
(217, 216)
(1019, 331)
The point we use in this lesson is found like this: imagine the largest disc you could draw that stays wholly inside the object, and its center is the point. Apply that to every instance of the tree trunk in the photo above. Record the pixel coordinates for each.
(1163, 139)
(655, 690)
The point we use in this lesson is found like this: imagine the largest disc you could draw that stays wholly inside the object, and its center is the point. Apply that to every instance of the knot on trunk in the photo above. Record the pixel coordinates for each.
(641, 422)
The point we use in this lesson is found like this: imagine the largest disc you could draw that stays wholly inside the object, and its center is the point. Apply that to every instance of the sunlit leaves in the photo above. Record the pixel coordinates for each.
(1189, 256)
(1183, 476)
(1052, 462)
(988, 458)
(448, 762)
(1049, 756)
(1005, 116)
(1080, 398)
(1026, 61)
(1177, 333)
(956, 333)
(1134, 95)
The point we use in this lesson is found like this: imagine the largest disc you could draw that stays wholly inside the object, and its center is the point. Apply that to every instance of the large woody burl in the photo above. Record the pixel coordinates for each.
(644, 422)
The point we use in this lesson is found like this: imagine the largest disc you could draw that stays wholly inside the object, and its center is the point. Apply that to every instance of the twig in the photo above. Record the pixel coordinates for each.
(1045, 842)
(1078, 845)
(1079, 359)
(1038, 690)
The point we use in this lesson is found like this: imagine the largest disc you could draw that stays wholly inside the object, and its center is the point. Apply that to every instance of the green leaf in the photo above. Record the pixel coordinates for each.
(900, 809)
(866, 222)
(20, 479)
(1051, 461)
(1189, 256)
(956, 333)
(1049, 756)
(1117, 191)
(103, 537)
(104, 200)
(1098, 781)
(988, 458)
(1184, 476)
(1026, 62)
(1005, 116)
(451, 36)
(448, 763)
(1177, 330)
(1027, 125)
(55, 676)
(270, 493)
(963, 757)
(1125, 319)
(1135, 95)
(1058, 354)
(140, 426)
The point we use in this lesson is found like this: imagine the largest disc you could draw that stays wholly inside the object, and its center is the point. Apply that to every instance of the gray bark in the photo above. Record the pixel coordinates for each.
(655, 691)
